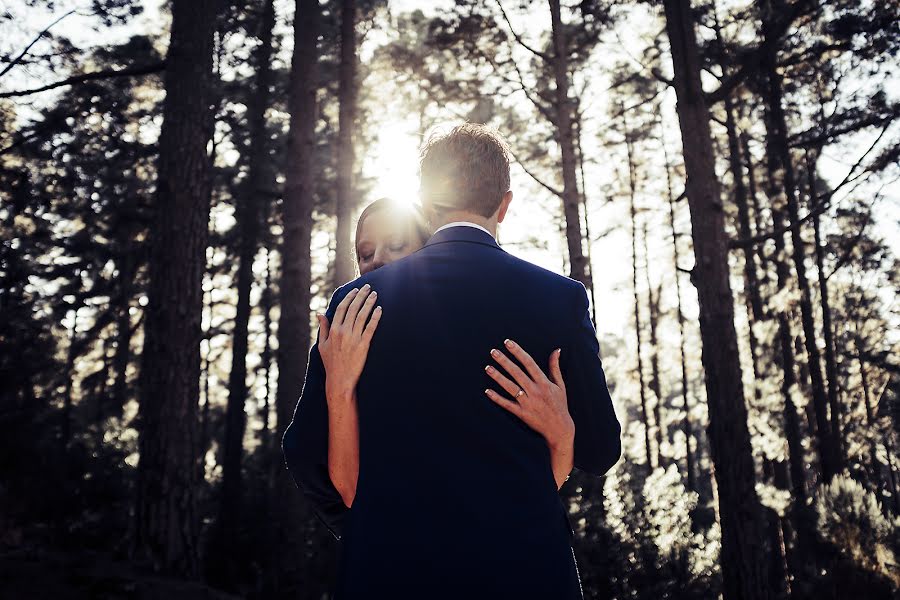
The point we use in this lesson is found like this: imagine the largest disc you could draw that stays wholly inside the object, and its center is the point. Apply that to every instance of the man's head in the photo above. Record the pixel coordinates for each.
(465, 175)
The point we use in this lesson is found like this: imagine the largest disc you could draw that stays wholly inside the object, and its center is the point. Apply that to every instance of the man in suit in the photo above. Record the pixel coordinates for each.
(455, 495)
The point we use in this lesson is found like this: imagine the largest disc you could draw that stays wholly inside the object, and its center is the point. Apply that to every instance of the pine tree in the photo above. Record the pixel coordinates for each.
(743, 546)
(166, 519)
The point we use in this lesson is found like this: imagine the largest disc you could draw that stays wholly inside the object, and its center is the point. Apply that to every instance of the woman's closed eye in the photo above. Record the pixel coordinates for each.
(397, 245)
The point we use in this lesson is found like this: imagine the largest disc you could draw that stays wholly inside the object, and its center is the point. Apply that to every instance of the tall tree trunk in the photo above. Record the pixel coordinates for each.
(803, 520)
(168, 471)
(752, 295)
(294, 330)
(344, 268)
(122, 356)
(870, 419)
(248, 225)
(782, 558)
(579, 268)
(686, 423)
(834, 400)
(632, 184)
(740, 201)
(782, 170)
(744, 554)
(757, 209)
(653, 319)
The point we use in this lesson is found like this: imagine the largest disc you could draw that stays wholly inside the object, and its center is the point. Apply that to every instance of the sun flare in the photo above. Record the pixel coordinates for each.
(392, 163)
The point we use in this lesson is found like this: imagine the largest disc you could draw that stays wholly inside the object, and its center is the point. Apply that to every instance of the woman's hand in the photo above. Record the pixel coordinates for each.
(344, 346)
(344, 343)
(540, 402)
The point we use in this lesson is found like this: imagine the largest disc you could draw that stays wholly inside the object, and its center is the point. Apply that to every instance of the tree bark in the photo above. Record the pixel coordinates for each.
(579, 267)
(344, 264)
(744, 554)
(168, 471)
(294, 329)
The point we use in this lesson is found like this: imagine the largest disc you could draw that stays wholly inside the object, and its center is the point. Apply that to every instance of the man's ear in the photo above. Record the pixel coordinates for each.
(427, 209)
(504, 206)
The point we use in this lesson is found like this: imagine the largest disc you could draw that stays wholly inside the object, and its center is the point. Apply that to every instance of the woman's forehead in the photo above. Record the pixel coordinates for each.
(384, 222)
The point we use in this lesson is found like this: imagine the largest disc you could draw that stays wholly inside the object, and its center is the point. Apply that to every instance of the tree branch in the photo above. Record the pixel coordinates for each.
(845, 257)
(749, 60)
(821, 205)
(76, 79)
(515, 35)
(547, 186)
(24, 52)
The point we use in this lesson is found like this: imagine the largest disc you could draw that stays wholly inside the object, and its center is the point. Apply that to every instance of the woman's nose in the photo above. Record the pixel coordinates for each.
(380, 258)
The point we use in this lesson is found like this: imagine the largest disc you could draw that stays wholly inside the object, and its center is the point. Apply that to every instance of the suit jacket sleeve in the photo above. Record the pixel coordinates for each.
(305, 442)
(598, 444)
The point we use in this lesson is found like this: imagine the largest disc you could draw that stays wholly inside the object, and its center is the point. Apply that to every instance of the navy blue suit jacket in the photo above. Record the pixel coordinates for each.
(456, 495)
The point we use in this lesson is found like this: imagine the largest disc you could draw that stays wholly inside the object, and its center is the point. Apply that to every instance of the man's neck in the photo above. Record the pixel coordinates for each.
(460, 216)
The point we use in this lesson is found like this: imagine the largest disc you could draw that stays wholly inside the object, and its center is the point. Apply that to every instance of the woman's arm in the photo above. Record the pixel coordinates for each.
(343, 444)
(562, 456)
(344, 346)
(540, 402)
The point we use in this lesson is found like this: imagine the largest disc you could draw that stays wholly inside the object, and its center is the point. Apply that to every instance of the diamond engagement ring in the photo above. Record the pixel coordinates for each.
(520, 393)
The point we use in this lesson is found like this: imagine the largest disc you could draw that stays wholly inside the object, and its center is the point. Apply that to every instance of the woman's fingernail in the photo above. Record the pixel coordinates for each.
(508, 343)
(494, 353)
(489, 369)
(487, 392)
(374, 294)
(377, 309)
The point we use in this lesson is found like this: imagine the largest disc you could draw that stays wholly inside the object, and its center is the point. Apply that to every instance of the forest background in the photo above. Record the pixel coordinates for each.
(179, 181)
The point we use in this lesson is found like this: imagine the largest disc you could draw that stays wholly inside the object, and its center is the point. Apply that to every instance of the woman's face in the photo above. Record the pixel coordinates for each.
(383, 238)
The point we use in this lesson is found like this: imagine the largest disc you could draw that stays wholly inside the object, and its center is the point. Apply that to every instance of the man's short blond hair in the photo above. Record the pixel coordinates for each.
(465, 169)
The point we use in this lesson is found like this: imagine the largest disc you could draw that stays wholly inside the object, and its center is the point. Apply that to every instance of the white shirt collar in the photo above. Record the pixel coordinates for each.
(463, 224)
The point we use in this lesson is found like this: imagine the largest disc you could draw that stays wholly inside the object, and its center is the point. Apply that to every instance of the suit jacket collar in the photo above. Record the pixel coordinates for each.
(462, 234)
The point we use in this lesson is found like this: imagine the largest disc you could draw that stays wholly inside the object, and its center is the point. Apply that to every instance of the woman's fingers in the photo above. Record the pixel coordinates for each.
(509, 405)
(353, 309)
(342, 307)
(372, 325)
(533, 369)
(364, 313)
(323, 327)
(513, 369)
(505, 382)
(555, 372)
